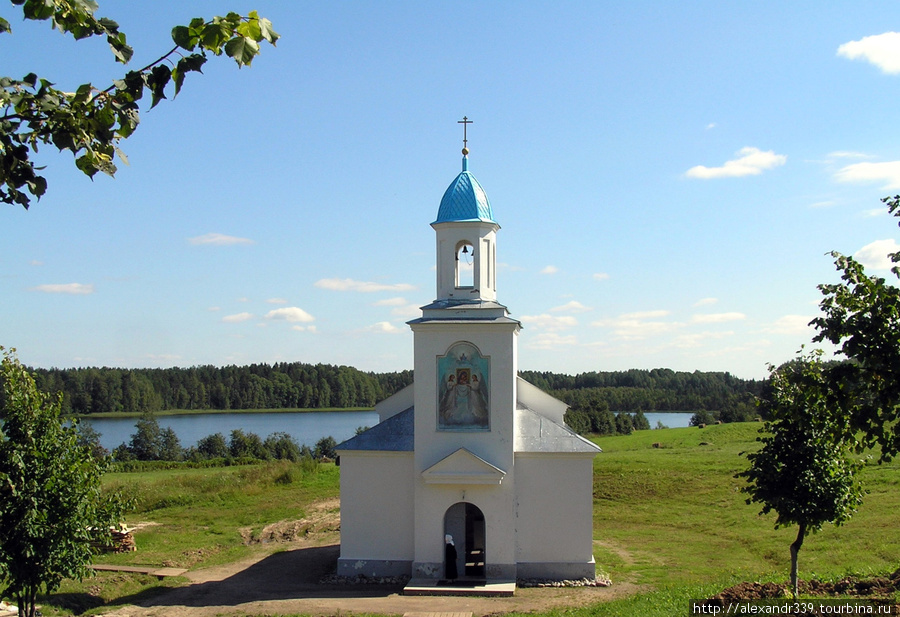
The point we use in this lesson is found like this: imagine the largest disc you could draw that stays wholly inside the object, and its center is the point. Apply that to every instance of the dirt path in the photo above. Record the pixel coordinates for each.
(283, 578)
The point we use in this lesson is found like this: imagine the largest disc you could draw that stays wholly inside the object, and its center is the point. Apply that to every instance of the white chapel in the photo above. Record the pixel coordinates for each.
(469, 450)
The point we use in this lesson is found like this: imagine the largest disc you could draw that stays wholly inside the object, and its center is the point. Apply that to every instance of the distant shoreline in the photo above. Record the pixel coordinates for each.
(195, 412)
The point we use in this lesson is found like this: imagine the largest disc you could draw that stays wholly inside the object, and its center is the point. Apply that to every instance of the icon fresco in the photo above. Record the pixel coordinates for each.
(463, 389)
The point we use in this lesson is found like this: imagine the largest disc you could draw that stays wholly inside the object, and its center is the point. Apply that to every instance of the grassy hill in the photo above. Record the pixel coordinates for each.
(668, 515)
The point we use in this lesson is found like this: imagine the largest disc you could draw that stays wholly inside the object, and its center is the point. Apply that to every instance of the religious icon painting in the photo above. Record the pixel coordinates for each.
(463, 389)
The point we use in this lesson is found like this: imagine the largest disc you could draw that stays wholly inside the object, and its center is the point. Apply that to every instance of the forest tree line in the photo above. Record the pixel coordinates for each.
(257, 386)
(649, 390)
(307, 386)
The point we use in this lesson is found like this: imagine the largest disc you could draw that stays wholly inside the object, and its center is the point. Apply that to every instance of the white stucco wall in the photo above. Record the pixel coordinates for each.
(379, 525)
(497, 503)
(555, 507)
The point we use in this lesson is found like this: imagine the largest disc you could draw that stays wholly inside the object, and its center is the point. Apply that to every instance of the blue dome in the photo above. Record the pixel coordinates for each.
(465, 200)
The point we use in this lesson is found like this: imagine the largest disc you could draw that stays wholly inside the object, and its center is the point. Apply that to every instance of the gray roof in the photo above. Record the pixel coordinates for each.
(396, 434)
(535, 433)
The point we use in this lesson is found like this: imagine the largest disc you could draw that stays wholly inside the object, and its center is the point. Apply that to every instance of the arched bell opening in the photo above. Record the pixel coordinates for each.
(465, 265)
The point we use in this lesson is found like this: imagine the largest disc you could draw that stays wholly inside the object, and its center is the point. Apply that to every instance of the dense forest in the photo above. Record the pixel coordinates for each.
(648, 390)
(257, 386)
(307, 386)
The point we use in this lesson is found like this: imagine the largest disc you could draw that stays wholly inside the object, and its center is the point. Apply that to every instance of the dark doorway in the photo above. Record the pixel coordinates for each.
(465, 522)
(474, 541)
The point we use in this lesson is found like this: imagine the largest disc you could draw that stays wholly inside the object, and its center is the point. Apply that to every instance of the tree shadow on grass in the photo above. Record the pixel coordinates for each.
(289, 575)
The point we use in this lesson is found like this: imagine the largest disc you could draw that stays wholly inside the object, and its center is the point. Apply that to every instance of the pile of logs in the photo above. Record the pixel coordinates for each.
(122, 541)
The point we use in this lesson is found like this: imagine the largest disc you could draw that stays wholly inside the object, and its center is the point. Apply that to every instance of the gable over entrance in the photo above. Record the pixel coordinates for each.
(463, 467)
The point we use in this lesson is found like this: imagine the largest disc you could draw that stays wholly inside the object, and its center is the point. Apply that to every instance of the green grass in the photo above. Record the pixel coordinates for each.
(200, 512)
(674, 514)
(670, 518)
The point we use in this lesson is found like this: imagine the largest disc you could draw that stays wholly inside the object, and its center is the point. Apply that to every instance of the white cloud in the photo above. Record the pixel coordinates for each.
(391, 302)
(823, 204)
(550, 270)
(214, 239)
(384, 327)
(213, 309)
(600, 276)
(887, 172)
(790, 324)
(552, 340)
(705, 301)
(639, 325)
(291, 314)
(750, 162)
(692, 341)
(875, 212)
(304, 329)
(75, 289)
(710, 126)
(237, 317)
(276, 301)
(882, 50)
(718, 317)
(550, 322)
(163, 357)
(848, 154)
(646, 314)
(410, 311)
(35, 262)
(571, 307)
(360, 286)
(875, 254)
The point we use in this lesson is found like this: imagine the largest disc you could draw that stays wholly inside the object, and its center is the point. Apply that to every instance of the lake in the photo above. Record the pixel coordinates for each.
(306, 427)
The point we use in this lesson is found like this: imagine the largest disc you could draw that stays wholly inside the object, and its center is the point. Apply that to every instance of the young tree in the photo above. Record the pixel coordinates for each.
(803, 471)
(146, 442)
(282, 446)
(325, 448)
(862, 316)
(170, 446)
(640, 421)
(51, 505)
(90, 121)
(213, 446)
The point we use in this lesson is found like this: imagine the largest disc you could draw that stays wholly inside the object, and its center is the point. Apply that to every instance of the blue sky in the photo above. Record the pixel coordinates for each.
(668, 178)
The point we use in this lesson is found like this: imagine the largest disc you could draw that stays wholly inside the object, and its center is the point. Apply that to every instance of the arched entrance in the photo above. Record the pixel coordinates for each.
(465, 522)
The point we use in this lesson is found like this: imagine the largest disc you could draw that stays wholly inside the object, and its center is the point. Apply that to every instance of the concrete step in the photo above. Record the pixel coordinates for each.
(460, 587)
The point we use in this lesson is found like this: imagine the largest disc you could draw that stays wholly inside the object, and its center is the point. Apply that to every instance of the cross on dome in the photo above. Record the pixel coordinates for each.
(465, 122)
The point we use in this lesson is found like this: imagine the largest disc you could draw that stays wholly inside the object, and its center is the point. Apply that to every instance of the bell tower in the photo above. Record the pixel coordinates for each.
(465, 347)
(466, 241)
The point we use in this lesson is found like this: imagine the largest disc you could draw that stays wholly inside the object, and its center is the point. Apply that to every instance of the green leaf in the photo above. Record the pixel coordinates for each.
(250, 29)
(4, 26)
(157, 80)
(183, 37)
(38, 9)
(268, 33)
(187, 64)
(242, 49)
(214, 35)
(122, 51)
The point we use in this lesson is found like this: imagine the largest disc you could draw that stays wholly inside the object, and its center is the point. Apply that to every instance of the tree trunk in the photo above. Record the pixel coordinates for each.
(795, 548)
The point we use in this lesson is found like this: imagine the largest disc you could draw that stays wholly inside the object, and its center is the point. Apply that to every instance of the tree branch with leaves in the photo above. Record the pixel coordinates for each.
(861, 315)
(90, 122)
